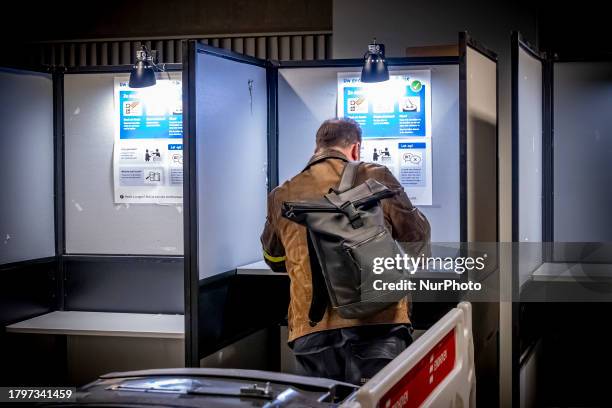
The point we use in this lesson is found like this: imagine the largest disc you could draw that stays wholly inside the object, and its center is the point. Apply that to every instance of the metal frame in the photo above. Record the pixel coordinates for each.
(547, 155)
(190, 207)
(25, 263)
(107, 69)
(357, 62)
(463, 137)
(272, 80)
(59, 184)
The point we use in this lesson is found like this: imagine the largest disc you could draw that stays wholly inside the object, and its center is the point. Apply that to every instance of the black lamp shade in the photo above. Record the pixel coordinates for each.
(142, 75)
(374, 68)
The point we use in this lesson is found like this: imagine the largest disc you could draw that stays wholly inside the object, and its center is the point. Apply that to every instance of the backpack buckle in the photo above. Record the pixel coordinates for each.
(348, 208)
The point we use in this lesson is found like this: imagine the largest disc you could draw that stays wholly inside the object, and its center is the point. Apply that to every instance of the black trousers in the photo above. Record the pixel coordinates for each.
(353, 354)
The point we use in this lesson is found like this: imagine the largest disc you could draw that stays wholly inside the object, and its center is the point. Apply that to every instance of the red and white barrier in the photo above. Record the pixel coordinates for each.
(437, 370)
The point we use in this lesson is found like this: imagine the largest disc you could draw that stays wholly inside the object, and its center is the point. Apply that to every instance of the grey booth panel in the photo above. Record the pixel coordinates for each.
(124, 284)
(231, 143)
(26, 163)
(308, 96)
(94, 223)
(582, 174)
(481, 147)
(529, 163)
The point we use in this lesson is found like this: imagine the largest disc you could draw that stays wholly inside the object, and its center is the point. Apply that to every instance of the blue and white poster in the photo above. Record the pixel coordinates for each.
(395, 119)
(399, 107)
(148, 153)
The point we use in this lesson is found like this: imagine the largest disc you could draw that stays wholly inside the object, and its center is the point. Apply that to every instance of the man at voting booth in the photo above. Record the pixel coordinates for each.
(346, 349)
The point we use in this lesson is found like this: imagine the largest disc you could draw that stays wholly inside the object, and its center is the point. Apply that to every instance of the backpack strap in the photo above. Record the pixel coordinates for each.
(320, 297)
(348, 176)
(324, 156)
(346, 183)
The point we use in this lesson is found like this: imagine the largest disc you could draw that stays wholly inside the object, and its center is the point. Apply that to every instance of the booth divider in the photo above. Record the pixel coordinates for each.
(27, 236)
(530, 212)
(479, 133)
(229, 120)
(479, 104)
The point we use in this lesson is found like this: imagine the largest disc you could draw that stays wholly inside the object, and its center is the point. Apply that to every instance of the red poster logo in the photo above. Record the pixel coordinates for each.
(424, 377)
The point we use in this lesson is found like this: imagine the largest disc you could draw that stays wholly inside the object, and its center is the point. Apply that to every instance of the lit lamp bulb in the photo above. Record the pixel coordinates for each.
(374, 64)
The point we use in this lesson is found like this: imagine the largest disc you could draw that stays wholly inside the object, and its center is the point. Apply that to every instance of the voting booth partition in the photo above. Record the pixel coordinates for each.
(479, 127)
(86, 276)
(561, 257)
(226, 184)
(27, 229)
(250, 126)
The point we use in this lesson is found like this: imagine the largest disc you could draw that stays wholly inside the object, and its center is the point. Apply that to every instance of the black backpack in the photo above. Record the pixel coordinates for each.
(346, 231)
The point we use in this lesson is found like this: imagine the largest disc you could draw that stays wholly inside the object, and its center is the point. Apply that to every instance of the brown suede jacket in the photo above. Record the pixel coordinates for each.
(286, 248)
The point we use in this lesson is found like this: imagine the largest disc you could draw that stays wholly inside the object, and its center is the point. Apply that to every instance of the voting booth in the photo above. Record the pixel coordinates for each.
(250, 125)
(90, 271)
(561, 220)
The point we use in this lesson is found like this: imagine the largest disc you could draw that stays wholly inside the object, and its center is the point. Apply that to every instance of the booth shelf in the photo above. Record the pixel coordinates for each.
(103, 324)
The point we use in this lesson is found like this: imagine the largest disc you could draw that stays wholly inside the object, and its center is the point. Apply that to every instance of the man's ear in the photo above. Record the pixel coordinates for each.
(355, 151)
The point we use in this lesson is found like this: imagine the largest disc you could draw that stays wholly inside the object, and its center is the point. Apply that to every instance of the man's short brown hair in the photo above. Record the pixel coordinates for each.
(338, 132)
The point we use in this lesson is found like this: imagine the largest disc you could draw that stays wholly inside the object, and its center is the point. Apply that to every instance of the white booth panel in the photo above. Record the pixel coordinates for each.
(530, 147)
(308, 96)
(94, 223)
(481, 110)
(529, 163)
(27, 228)
(231, 159)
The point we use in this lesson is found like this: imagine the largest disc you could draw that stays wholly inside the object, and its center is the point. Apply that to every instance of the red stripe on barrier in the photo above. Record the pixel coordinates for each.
(416, 385)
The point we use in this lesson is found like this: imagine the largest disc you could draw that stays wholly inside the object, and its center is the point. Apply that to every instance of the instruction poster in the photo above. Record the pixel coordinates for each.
(148, 152)
(395, 118)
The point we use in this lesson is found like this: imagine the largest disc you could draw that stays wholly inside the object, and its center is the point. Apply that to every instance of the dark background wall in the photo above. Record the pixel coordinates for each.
(85, 19)
(574, 29)
(560, 28)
